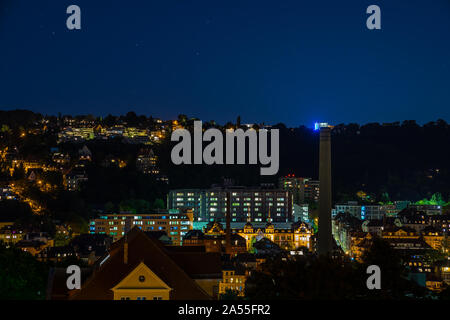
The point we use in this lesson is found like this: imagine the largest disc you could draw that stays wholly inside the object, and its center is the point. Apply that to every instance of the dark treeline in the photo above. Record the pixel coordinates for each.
(403, 160)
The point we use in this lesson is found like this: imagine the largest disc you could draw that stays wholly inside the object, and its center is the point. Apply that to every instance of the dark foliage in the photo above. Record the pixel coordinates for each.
(22, 277)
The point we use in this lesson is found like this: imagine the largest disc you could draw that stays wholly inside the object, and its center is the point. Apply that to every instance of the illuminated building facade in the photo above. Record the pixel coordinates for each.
(429, 209)
(445, 272)
(6, 193)
(233, 280)
(364, 212)
(246, 203)
(60, 160)
(175, 223)
(9, 235)
(299, 235)
(300, 212)
(433, 237)
(214, 240)
(441, 223)
(407, 241)
(304, 190)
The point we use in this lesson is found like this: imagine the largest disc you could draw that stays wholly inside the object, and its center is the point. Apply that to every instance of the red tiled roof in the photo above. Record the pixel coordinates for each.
(140, 249)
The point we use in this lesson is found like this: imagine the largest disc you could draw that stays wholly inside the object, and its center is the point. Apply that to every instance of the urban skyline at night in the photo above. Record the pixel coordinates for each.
(218, 159)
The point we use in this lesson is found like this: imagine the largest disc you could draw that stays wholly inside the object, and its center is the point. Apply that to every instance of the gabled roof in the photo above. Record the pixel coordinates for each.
(375, 223)
(159, 235)
(199, 264)
(194, 234)
(29, 244)
(432, 229)
(54, 251)
(404, 229)
(142, 269)
(141, 248)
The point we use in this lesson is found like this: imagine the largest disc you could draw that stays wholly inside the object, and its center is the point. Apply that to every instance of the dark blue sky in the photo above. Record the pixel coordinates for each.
(268, 61)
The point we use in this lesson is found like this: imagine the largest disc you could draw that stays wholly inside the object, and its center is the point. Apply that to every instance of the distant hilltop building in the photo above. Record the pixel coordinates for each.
(9, 234)
(6, 193)
(60, 160)
(254, 204)
(85, 154)
(146, 162)
(75, 178)
(111, 161)
(73, 134)
(80, 131)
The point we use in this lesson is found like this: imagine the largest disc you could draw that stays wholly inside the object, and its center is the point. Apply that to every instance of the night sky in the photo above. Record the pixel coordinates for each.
(268, 61)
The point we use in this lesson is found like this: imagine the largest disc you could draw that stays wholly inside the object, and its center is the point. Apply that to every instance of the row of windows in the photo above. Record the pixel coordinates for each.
(141, 298)
(213, 195)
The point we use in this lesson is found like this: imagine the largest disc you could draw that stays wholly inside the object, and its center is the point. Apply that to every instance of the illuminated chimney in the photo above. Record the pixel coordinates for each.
(324, 236)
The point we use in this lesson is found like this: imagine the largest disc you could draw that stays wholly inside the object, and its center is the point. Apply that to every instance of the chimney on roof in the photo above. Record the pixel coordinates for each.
(125, 251)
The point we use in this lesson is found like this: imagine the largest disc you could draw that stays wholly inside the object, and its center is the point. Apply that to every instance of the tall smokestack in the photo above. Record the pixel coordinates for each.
(324, 240)
(228, 226)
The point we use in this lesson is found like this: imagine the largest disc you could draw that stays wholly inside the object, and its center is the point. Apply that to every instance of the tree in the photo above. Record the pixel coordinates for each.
(135, 206)
(445, 294)
(158, 204)
(78, 224)
(394, 282)
(305, 278)
(61, 240)
(5, 128)
(384, 198)
(251, 249)
(13, 210)
(182, 118)
(230, 295)
(109, 206)
(22, 277)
